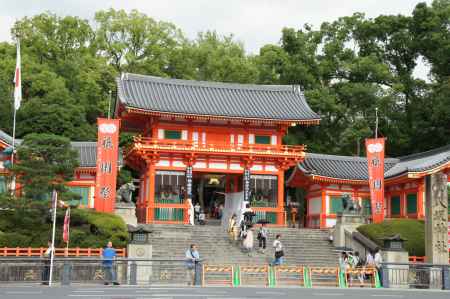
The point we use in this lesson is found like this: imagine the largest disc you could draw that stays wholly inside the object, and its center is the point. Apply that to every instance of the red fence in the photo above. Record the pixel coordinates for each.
(70, 252)
(419, 259)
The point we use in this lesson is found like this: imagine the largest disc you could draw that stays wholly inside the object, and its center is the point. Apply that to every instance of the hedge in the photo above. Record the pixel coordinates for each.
(411, 230)
(28, 224)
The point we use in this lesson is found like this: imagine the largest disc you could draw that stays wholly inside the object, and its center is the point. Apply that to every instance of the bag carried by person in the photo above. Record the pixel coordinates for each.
(279, 254)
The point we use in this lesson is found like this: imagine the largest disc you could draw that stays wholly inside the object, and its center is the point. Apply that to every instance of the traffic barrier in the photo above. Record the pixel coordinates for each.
(218, 275)
(291, 275)
(325, 276)
(256, 275)
(362, 277)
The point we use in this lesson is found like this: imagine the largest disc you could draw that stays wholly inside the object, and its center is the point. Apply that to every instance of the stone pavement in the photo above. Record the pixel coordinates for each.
(126, 292)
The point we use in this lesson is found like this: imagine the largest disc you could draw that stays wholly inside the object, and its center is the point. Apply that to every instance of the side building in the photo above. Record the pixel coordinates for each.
(83, 182)
(208, 140)
(326, 178)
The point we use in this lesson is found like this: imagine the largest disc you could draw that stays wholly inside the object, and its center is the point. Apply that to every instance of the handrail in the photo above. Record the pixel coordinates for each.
(187, 145)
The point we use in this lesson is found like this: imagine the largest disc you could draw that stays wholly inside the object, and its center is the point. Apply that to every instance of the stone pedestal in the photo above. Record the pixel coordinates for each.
(436, 208)
(127, 211)
(345, 222)
(396, 275)
(140, 271)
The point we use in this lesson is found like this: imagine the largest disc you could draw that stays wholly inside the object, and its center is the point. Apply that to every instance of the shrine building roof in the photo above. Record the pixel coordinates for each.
(214, 99)
(87, 150)
(355, 168)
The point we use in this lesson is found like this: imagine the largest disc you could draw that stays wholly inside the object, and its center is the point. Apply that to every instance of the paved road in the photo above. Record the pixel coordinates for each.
(127, 292)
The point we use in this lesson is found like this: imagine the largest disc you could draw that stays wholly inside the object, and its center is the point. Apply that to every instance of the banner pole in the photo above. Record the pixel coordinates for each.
(376, 122)
(68, 234)
(55, 196)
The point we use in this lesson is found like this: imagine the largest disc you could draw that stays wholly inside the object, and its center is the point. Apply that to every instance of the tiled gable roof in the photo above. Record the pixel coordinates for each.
(355, 168)
(229, 100)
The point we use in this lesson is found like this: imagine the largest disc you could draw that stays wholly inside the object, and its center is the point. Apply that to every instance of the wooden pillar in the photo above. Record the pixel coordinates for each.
(403, 213)
(323, 213)
(141, 204)
(150, 184)
(236, 183)
(420, 197)
(280, 200)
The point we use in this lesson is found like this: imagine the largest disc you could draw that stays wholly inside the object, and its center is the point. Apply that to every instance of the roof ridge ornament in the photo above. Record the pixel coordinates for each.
(297, 88)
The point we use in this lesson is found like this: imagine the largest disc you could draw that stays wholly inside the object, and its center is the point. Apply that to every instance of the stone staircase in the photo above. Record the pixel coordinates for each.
(301, 246)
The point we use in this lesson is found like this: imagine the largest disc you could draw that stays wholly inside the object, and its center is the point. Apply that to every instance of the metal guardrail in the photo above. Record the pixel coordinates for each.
(416, 276)
(174, 272)
(92, 270)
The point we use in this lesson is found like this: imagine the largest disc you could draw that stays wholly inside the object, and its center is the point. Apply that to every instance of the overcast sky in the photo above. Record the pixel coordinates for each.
(253, 22)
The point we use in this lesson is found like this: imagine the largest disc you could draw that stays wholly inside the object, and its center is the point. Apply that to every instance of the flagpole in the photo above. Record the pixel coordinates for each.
(16, 105)
(68, 234)
(55, 199)
(376, 122)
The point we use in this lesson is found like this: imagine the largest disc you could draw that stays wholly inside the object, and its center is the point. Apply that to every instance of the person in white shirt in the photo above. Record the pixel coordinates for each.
(370, 263)
(197, 210)
(45, 275)
(279, 253)
(378, 260)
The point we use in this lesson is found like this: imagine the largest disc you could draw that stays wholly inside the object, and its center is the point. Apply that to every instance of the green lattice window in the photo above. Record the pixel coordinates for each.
(169, 214)
(83, 192)
(411, 203)
(336, 205)
(395, 205)
(366, 206)
(172, 134)
(262, 139)
(2, 184)
(271, 217)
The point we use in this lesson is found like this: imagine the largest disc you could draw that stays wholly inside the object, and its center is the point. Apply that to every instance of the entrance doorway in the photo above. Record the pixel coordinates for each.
(209, 191)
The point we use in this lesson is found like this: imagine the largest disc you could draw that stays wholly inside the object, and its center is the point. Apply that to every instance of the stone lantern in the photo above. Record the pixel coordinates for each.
(394, 243)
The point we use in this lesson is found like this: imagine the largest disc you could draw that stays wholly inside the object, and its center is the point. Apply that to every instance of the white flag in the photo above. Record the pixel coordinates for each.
(17, 80)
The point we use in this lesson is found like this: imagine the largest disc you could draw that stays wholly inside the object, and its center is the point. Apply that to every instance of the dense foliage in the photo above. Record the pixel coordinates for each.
(47, 163)
(346, 68)
(27, 223)
(411, 230)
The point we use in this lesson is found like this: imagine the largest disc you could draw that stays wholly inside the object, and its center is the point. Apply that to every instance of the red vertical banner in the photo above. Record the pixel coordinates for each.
(107, 160)
(375, 163)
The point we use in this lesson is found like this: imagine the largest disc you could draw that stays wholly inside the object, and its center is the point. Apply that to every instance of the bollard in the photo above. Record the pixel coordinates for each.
(445, 278)
(198, 274)
(66, 277)
(384, 275)
(133, 274)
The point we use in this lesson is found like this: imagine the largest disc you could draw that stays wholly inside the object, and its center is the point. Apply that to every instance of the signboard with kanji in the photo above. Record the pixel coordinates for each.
(107, 160)
(246, 184)
(375, 163)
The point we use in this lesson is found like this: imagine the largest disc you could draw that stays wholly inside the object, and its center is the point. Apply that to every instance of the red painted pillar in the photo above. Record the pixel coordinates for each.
(323, 213)
(420, 198)
(280, 202)
(150, 192)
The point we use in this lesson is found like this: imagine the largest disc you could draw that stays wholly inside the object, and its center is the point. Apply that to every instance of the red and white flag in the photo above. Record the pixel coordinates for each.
(66, 226)
(17, 80)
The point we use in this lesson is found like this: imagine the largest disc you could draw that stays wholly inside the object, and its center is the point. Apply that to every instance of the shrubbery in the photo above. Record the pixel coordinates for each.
(410, 229)
(26, 223)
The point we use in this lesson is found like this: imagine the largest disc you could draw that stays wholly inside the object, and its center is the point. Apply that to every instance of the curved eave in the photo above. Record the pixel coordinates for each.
(420, 174)
(86, 169)
(315, 121)
(299, 170)
(319, 178)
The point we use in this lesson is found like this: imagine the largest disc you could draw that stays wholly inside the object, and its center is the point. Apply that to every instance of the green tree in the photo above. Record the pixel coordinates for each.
(46, 162)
